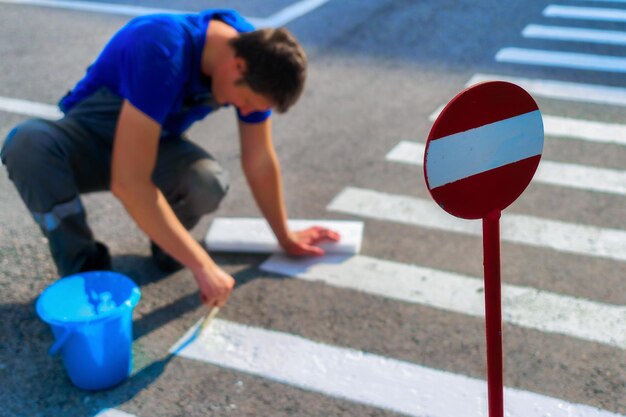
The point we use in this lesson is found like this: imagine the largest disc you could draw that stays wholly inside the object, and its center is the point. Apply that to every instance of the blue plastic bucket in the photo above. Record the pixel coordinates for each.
(90, 315)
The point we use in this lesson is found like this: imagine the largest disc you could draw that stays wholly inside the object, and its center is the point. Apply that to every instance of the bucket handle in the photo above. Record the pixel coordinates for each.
(60, 341)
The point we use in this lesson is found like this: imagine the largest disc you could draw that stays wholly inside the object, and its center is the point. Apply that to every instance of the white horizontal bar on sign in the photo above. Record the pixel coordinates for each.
(585, 13)
(474, 151)
(587, 130)
(522, 306)
(572, 60)
(361, 377)
(30, 108)
(254, 235)
(611, 37)
(549, 172)
(562, 90)
(516, 228)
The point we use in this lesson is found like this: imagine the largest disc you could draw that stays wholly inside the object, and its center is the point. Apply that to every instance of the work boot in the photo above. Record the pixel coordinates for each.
(100, 260)
(163, 260)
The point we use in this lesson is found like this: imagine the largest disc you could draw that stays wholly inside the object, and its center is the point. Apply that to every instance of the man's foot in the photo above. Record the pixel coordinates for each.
(100, 260)
(164, 261)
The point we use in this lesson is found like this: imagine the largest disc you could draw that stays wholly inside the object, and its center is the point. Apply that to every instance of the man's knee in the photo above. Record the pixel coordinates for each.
(28, 146)
(208, 184)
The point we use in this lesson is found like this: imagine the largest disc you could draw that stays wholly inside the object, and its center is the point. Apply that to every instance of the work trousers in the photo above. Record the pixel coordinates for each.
(52, 162)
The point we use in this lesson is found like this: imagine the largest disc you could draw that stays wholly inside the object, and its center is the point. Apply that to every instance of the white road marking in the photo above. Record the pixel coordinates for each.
(88, 6)
(361, 377)
(562, 90)
(586, 130)
(585, 13)
(516, 228)
(522, 306)
(573, 60)
(474, 151)
(549, 172)
(290, 13)
(112, 412)
(279, 18)
(604, 1)
(611, 37)
(30, 108)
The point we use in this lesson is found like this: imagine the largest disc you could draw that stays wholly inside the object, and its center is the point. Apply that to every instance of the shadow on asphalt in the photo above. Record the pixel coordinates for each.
(35, 384)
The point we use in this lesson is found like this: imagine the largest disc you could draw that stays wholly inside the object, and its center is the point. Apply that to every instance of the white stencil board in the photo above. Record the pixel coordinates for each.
(253, 235)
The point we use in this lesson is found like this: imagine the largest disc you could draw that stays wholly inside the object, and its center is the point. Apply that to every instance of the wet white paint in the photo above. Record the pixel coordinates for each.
(516, 228)
(522, 306)
(561, 90)
(554, 173)
(362, 377)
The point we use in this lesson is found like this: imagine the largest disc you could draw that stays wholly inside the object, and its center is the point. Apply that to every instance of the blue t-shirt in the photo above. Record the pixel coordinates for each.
(155, 63)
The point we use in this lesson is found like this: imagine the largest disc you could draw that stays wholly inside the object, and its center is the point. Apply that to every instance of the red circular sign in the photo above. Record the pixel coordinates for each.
(483, 149)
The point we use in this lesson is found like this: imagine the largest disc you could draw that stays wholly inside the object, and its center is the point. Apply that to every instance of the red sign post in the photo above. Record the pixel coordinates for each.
(481, 154)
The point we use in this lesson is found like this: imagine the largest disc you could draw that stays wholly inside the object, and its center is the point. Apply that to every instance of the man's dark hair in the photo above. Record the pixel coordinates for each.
(276, 65)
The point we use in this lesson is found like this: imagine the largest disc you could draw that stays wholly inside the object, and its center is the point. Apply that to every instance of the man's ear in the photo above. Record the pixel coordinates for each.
(241, 65)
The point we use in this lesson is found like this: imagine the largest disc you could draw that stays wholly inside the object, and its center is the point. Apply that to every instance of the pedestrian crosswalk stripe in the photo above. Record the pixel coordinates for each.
(585, 13)
(29, 108)
(516, 228)
(281, 18)
(574, 60)
(611, 37)
(587, 130)
(605, 1)
(549, 172)
(289, 13)
(359, 376)
(112, 412)
(522, 306)
(89, 6)
(561, 90)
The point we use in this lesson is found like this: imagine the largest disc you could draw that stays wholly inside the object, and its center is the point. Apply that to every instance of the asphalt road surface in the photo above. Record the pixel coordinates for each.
(398, 329)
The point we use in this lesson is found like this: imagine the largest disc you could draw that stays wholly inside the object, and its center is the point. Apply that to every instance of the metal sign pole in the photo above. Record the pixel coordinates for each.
(493, 312)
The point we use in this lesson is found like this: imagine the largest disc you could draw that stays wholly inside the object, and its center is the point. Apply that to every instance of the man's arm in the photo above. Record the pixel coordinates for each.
(262, 169)
(134, 158)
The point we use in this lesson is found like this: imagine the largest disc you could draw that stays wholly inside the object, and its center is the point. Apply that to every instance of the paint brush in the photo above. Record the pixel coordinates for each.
(209, 317)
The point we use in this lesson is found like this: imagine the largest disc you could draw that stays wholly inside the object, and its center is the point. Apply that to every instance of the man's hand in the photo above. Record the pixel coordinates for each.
(215, 285)
(303, 243)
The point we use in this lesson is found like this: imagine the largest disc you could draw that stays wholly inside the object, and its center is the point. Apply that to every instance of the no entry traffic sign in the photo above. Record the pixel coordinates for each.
(481, 154)
(483, 149)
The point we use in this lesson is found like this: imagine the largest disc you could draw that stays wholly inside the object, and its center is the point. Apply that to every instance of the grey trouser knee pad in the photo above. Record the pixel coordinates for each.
(205, 186)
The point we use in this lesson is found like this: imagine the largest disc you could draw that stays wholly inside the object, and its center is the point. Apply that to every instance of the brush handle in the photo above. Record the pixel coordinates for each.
(209, 317)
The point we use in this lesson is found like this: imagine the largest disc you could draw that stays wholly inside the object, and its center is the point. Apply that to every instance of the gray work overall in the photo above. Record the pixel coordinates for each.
(52, 162)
